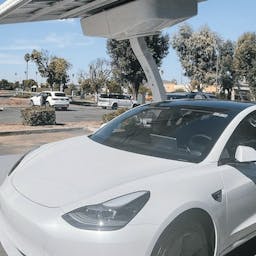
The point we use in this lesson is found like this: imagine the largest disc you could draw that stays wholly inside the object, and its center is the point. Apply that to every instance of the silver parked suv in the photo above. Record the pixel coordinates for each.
(115, 101)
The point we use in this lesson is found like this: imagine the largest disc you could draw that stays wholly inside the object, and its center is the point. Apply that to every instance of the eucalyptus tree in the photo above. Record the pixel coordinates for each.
(245, 59)
(227, 73)
(198, 53)
(126, 68)
(98, 75)
(51, 67)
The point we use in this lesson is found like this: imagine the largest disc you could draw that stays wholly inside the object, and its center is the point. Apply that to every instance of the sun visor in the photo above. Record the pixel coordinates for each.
(138, 18)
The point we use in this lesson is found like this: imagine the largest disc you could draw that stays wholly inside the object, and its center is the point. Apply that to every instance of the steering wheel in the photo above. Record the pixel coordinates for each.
(198, 142)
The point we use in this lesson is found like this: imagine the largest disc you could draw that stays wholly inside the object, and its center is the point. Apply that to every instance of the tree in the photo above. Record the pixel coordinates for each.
(85, 85)
(98, 76)
(245, 59)
(59, 68)
(4, 84)
(197, 52)
(226, 74)
(29, 83)
(53, 68)
(126, 68)
(114, 87)
(27, 59)
(99, 73)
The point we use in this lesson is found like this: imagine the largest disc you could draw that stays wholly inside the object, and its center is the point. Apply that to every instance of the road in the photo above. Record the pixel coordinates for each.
(74, 114)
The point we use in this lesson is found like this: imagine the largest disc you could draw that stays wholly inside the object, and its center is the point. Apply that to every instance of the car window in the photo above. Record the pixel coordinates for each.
(60, 94)
(179, 133)
(244, 134)
(120, 97)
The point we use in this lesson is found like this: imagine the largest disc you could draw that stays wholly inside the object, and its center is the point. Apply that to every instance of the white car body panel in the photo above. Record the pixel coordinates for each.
(102, 175)
(32, 221)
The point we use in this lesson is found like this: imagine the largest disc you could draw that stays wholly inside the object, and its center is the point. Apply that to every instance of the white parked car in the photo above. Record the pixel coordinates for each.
(115, 101)
(169, 178)
(55, 99)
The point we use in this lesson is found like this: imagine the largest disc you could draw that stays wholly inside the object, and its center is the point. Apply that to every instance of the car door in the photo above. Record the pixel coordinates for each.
(240, 183)
(121, 101)
(37, 99)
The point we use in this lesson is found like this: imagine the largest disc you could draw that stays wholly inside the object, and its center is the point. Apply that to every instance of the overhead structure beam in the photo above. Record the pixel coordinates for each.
(80, 11)
(37, 14)
(9, 7)
(149, 67)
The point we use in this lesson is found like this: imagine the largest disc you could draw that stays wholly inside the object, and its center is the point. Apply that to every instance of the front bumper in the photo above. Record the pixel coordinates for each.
(33, 230)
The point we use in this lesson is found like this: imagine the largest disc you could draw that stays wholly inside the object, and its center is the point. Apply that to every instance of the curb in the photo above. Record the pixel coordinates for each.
(24, 132)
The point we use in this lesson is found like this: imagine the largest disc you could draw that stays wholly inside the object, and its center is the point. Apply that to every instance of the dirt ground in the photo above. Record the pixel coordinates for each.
(19, 144)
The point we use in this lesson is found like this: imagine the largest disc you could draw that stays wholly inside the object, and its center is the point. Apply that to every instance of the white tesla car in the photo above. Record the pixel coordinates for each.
(164, 179)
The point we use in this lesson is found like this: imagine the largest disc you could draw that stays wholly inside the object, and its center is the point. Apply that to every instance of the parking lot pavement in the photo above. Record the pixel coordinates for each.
(73, 114)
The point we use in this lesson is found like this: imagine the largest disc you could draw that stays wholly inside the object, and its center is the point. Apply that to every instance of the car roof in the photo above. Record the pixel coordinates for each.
(231, 107)
(172, 93)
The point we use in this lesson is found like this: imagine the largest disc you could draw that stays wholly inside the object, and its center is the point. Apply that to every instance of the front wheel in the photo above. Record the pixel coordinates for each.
(183, 238)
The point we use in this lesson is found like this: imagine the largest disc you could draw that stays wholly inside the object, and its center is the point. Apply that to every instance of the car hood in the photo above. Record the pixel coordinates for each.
(66, 172)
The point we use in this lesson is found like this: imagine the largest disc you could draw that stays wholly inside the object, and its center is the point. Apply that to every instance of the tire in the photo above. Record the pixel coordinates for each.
(184, 237)
(114, 106)
(104, 107)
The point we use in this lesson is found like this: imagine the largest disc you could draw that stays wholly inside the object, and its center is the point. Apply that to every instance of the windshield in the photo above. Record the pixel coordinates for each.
(183, 133)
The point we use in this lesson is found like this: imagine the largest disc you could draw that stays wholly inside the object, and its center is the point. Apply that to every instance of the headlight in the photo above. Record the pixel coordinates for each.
(19, 161)
(111, 215)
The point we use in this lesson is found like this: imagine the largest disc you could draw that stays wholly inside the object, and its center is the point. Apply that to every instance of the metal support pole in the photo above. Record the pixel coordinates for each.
(150, 68)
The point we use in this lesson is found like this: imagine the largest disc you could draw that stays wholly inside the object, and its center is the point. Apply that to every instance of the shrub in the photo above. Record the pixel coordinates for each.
(107, 117)
(38, 116)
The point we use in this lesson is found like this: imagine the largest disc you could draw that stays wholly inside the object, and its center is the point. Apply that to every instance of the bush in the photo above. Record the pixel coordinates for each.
(38, 116)
(107, 117)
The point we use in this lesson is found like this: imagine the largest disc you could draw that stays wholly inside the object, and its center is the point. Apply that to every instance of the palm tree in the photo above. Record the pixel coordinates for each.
(27, 59)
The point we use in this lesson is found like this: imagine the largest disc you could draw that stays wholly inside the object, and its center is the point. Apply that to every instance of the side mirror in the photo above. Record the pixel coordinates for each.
(245, 154)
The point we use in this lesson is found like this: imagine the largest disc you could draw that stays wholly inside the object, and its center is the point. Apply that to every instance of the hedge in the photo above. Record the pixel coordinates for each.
(38, 116)
(107, 117)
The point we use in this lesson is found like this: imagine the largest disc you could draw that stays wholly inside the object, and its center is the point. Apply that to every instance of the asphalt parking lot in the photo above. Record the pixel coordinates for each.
(75, 113)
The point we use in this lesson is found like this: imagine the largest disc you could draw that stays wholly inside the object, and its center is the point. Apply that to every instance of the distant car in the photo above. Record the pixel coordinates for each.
(55, 99)
(164, 179)
(190, 95)
(115, 101)
(177, 95)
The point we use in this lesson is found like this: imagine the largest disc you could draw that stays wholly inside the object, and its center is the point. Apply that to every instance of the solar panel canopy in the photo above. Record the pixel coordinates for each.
(105, 18)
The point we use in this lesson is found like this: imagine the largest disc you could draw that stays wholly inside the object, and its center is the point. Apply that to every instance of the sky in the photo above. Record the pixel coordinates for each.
(228, 18)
